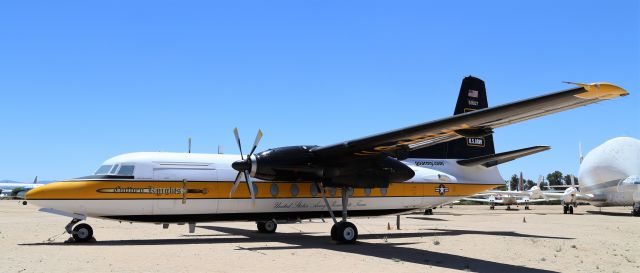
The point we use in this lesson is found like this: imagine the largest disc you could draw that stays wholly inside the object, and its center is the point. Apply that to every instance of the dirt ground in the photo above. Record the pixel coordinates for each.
(467, 238)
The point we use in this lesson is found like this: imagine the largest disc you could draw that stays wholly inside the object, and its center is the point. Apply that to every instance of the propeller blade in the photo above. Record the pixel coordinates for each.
(235, 185)
(235, 132)
(255, 143)
(250, 185)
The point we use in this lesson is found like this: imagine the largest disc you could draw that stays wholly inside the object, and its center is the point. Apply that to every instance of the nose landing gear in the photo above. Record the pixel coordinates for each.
(81, 233)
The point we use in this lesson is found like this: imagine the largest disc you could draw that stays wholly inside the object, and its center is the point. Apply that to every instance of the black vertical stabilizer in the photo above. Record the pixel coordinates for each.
(473, 96)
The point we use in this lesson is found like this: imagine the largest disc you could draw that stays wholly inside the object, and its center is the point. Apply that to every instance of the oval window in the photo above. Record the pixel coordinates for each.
(383, 191)
(332, 191)
(274, 189)
(294, 190)
(367, 191)
(313, 190)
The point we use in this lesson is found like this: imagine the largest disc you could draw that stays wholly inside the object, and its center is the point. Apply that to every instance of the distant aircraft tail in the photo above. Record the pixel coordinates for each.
(472, 96)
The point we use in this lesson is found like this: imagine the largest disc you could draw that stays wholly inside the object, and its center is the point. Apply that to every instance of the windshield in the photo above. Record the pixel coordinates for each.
(104, 169)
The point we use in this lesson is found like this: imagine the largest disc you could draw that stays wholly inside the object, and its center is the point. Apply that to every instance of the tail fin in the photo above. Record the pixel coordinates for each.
(473, 96)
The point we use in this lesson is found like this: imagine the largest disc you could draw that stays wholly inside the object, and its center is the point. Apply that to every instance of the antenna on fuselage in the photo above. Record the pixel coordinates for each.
(189, 145)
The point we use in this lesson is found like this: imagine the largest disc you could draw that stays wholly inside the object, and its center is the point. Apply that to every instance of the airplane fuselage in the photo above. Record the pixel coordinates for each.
(181, 187)
(611, 173)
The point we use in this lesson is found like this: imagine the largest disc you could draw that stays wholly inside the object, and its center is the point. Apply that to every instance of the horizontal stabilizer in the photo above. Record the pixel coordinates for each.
(495, 159)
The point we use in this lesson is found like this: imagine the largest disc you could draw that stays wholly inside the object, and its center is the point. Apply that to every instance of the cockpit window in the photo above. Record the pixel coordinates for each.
(104, 169)
(114, 169)
(126, 170)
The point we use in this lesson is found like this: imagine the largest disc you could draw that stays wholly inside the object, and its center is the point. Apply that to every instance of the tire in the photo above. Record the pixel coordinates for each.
(82, 233)
(268, 226)
(570, 209)
(344, 233)
(636, 212)
(566, 209)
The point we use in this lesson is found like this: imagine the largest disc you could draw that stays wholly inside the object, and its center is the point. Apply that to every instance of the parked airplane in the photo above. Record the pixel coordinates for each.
(509, 197)
(609, 176)
(419, 166)
(7, 189)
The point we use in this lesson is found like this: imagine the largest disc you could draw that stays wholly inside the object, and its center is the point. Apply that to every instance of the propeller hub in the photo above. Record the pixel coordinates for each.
(242, 165)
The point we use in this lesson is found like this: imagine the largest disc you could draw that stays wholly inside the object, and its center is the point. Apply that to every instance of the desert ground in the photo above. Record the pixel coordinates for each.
(462, 238)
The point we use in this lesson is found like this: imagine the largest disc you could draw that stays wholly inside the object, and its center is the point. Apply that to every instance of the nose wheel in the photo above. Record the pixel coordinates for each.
(80, 233)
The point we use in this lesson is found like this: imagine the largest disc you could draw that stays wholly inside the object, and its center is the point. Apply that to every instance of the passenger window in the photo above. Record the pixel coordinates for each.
(126, 170)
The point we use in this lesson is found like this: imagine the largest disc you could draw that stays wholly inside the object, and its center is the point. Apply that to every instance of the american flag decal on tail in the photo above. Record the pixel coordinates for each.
(473, 93)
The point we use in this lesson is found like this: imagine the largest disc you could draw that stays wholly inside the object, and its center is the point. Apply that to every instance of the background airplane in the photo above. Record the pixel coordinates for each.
(609, 176)
(510, 197)
(17, 190)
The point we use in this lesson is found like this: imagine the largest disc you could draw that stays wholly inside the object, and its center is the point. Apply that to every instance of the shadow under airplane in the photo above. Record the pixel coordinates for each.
(307, 240)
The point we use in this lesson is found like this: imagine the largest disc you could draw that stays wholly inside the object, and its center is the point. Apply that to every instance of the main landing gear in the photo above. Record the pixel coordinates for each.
(81, 233)
(428, 212)
(342, 232)
(636, 209)
(268, 226)
(568, 209)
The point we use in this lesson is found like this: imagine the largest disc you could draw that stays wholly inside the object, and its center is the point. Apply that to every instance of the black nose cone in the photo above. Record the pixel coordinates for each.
(242, 165)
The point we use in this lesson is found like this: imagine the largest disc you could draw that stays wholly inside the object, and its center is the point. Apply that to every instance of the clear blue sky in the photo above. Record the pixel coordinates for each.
(83, 81)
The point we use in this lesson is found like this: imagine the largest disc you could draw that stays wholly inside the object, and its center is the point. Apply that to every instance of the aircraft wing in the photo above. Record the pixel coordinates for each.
(512, 193)
(559, 195)
(531, 201)
(476, 123)
(482, 200)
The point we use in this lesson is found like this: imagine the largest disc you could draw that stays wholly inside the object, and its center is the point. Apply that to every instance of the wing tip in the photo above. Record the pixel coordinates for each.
(600, 90)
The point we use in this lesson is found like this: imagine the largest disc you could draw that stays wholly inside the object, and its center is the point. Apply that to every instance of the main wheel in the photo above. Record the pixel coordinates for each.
(267, 226)
(636, 212)
(570, 209)
(82, 233)
(566, 209)
(344, 232)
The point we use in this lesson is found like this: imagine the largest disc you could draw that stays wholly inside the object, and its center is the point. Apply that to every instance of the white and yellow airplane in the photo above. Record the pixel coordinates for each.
(401, 170)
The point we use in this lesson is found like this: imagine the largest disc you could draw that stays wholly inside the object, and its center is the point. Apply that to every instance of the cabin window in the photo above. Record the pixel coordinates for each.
(314, 190)
(367, 191)
(274, 189)
(126, 170)
(114, 169)
(294, 190)
(104, 169)
(383, 191)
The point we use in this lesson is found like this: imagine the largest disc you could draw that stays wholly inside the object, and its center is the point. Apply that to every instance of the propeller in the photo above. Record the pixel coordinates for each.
(244, 165)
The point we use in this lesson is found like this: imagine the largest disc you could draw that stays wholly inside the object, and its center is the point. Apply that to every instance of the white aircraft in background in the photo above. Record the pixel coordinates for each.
(609, 176)
(6, 189)
(509, 197)
(420, 166)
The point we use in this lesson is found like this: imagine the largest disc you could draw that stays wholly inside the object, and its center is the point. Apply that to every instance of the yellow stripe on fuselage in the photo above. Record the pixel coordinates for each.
(220, 190)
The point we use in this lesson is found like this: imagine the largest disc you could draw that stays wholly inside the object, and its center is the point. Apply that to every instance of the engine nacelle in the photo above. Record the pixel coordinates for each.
(297, 163)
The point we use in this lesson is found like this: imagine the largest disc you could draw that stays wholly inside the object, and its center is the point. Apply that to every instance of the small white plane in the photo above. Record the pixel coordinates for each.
(7, 189)
(510, 197)
(609, 176)
(420, 166)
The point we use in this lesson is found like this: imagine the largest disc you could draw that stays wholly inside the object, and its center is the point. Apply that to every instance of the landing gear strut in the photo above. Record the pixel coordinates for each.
(342, 232)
